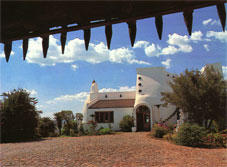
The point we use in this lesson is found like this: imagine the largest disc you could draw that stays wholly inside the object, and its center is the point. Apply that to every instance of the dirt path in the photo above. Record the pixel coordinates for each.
(124, 149)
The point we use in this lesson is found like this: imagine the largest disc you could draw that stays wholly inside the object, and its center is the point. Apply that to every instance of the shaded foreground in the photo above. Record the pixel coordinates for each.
(123, 149)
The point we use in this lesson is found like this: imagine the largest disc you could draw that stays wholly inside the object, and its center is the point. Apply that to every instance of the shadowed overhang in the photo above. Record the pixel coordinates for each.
(21, 20)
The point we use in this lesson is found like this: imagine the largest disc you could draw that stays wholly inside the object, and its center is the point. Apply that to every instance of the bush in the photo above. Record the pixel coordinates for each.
(81, 130)
(216, 139)
(159, 130)
(72, 133)
(66, 130)
(127, 123)
(46, 127)
(105, 131)
(54, 134)
(190, 135)
(92, 128)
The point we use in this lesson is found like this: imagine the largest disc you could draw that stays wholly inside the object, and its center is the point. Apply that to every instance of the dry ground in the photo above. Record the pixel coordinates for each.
(123, 149)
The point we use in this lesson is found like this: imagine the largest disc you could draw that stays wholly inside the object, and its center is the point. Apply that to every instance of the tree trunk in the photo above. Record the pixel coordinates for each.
(59, 131)
(209, 125)
(206, 123)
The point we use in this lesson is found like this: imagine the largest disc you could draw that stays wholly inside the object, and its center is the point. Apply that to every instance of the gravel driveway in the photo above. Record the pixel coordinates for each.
(122, 149)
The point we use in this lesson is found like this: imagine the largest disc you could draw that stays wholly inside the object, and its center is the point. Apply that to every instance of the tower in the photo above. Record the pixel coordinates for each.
(94, 87)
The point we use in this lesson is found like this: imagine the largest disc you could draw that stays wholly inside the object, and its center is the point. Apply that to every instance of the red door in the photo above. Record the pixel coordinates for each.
(143, 118)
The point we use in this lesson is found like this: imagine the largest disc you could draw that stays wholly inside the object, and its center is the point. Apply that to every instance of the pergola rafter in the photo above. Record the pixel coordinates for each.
(24, 20)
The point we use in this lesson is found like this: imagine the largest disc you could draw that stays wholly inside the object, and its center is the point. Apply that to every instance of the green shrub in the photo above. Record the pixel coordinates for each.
(92, 128)
(54, 134)
(72, 133)
(127, 123)
(217, 139)
(168, 136)
(81, 130)
(46, 127)
(190, 135)
(159, 130)
(104, 131)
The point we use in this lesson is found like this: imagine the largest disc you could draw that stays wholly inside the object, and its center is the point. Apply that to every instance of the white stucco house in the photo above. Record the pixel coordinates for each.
(144, 104)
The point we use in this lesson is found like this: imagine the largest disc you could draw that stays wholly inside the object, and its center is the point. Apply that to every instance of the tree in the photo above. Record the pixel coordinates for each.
(79, 116)
(59, 118)
(65, 115)
(201, 95)
(19, 117)
(46, 127)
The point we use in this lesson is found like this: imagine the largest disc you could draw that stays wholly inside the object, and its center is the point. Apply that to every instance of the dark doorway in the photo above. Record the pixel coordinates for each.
(143, 118)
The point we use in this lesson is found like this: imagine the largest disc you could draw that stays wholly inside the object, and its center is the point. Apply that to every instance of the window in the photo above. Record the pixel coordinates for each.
(139, 78)
(120, 95)
(104, 117)
(140, 90)
(140, 84)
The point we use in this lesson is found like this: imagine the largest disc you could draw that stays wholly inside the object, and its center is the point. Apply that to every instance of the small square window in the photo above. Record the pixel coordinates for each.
(140, 90)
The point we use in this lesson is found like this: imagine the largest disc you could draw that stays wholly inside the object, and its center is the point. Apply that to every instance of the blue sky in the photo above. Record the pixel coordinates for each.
(62, 82)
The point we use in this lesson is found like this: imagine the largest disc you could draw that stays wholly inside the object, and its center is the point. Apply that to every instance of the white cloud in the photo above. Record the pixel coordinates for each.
(74, 67)
(196, 36)
(206, 47)
(32, 92)
(120, 89)
(205, 22)
(215, 22)
(2, 54)
(176, 43)
(153, 50)
(141, 44)
(169, 50)
(211, 22)
(75, 51)
(224, 69)
(134, 61)
(166, 63)
(181, 41)
(82, 96)
(222, 36)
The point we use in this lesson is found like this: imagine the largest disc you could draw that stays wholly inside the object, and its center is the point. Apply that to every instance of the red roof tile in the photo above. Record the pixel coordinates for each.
(119, 103)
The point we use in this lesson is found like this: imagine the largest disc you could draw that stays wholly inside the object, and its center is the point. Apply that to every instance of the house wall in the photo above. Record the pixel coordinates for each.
(119, 113)
(94, 97)
(154, 81)
(164, 113)
(113, 95)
